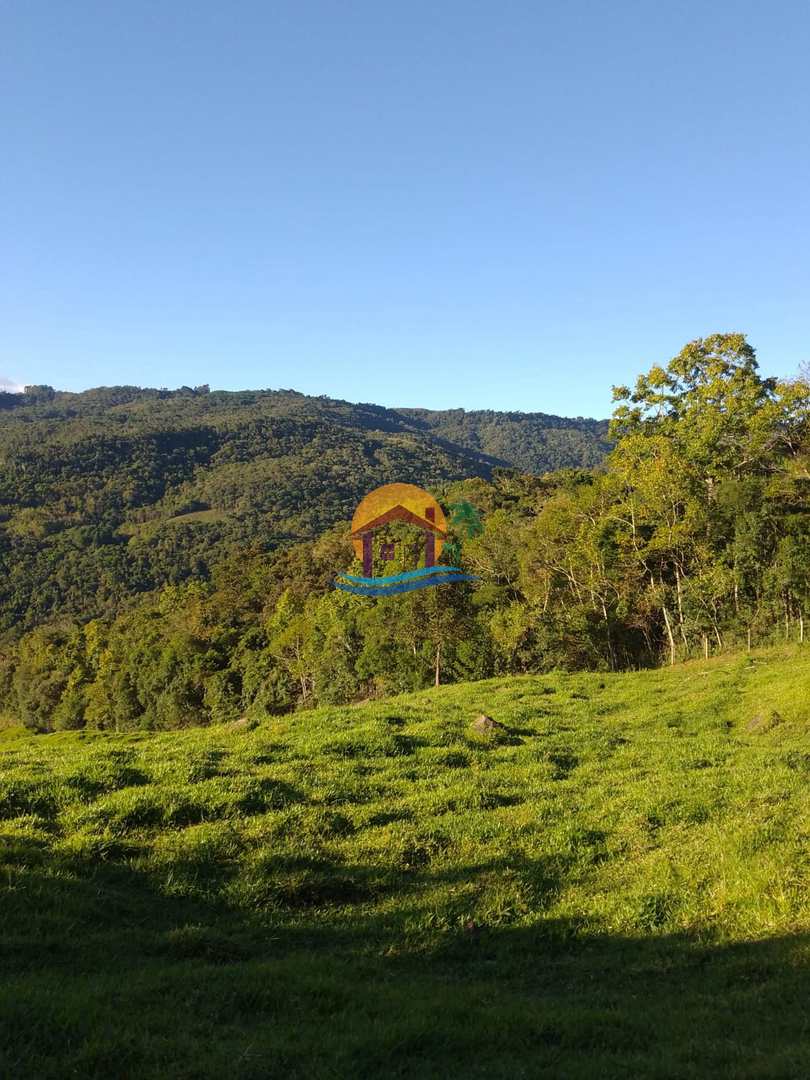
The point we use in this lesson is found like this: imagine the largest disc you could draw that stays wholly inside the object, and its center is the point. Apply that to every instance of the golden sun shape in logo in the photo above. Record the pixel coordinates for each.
(398, 502)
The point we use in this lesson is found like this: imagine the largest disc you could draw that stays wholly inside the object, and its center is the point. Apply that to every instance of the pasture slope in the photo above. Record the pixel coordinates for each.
(617, 885)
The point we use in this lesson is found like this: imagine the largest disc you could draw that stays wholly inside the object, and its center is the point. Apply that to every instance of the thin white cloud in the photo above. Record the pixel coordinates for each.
(9, 386)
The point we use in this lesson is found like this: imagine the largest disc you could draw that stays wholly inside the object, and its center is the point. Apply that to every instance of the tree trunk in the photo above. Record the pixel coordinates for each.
(669, 634)
(749, 639)
(609, 638)
(666, 619)
(681, 626)
(706, 646)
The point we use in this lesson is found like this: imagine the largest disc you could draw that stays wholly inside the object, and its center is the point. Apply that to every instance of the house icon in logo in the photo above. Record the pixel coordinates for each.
(409, 505)
(397, 502)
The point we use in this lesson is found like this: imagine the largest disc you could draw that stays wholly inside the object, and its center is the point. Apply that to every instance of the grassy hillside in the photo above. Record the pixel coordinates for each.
(616, 885)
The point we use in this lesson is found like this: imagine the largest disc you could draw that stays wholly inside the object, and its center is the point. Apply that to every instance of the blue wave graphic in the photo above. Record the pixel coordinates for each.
(407, 575)
(405, 582)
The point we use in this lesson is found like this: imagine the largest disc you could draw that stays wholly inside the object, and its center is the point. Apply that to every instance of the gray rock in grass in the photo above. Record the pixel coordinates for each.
(485, 725)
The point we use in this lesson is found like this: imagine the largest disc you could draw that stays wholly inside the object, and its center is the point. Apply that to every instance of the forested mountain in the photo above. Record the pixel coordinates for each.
(120, 490)
(531, 442)
(692, 537)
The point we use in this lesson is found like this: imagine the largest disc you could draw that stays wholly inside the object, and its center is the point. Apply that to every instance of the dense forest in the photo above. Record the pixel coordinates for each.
(691, 536)
(119, 491)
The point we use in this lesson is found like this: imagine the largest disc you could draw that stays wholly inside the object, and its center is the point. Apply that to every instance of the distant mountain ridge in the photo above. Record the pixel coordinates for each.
(525, 441)
(105, 493)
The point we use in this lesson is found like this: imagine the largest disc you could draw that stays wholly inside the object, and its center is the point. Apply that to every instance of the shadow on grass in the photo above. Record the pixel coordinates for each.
(345, 971)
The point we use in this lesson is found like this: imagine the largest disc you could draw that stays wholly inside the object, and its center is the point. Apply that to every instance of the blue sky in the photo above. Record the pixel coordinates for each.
(506, 205)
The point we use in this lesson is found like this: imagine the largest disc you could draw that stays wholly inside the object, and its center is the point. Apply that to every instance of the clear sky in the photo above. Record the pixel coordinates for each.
(507, 205)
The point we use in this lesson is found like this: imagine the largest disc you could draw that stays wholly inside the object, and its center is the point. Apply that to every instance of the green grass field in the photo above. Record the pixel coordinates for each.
(618, 885)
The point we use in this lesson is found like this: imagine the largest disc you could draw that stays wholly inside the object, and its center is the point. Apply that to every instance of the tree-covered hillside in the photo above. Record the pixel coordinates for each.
(120, 490)
(692, 538)
(531, 442)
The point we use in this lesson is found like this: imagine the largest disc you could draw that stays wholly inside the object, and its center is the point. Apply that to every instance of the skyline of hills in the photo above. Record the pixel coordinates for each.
(119, 490)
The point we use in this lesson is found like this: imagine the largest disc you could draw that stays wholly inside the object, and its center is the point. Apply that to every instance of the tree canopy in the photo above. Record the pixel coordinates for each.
(692, 536)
